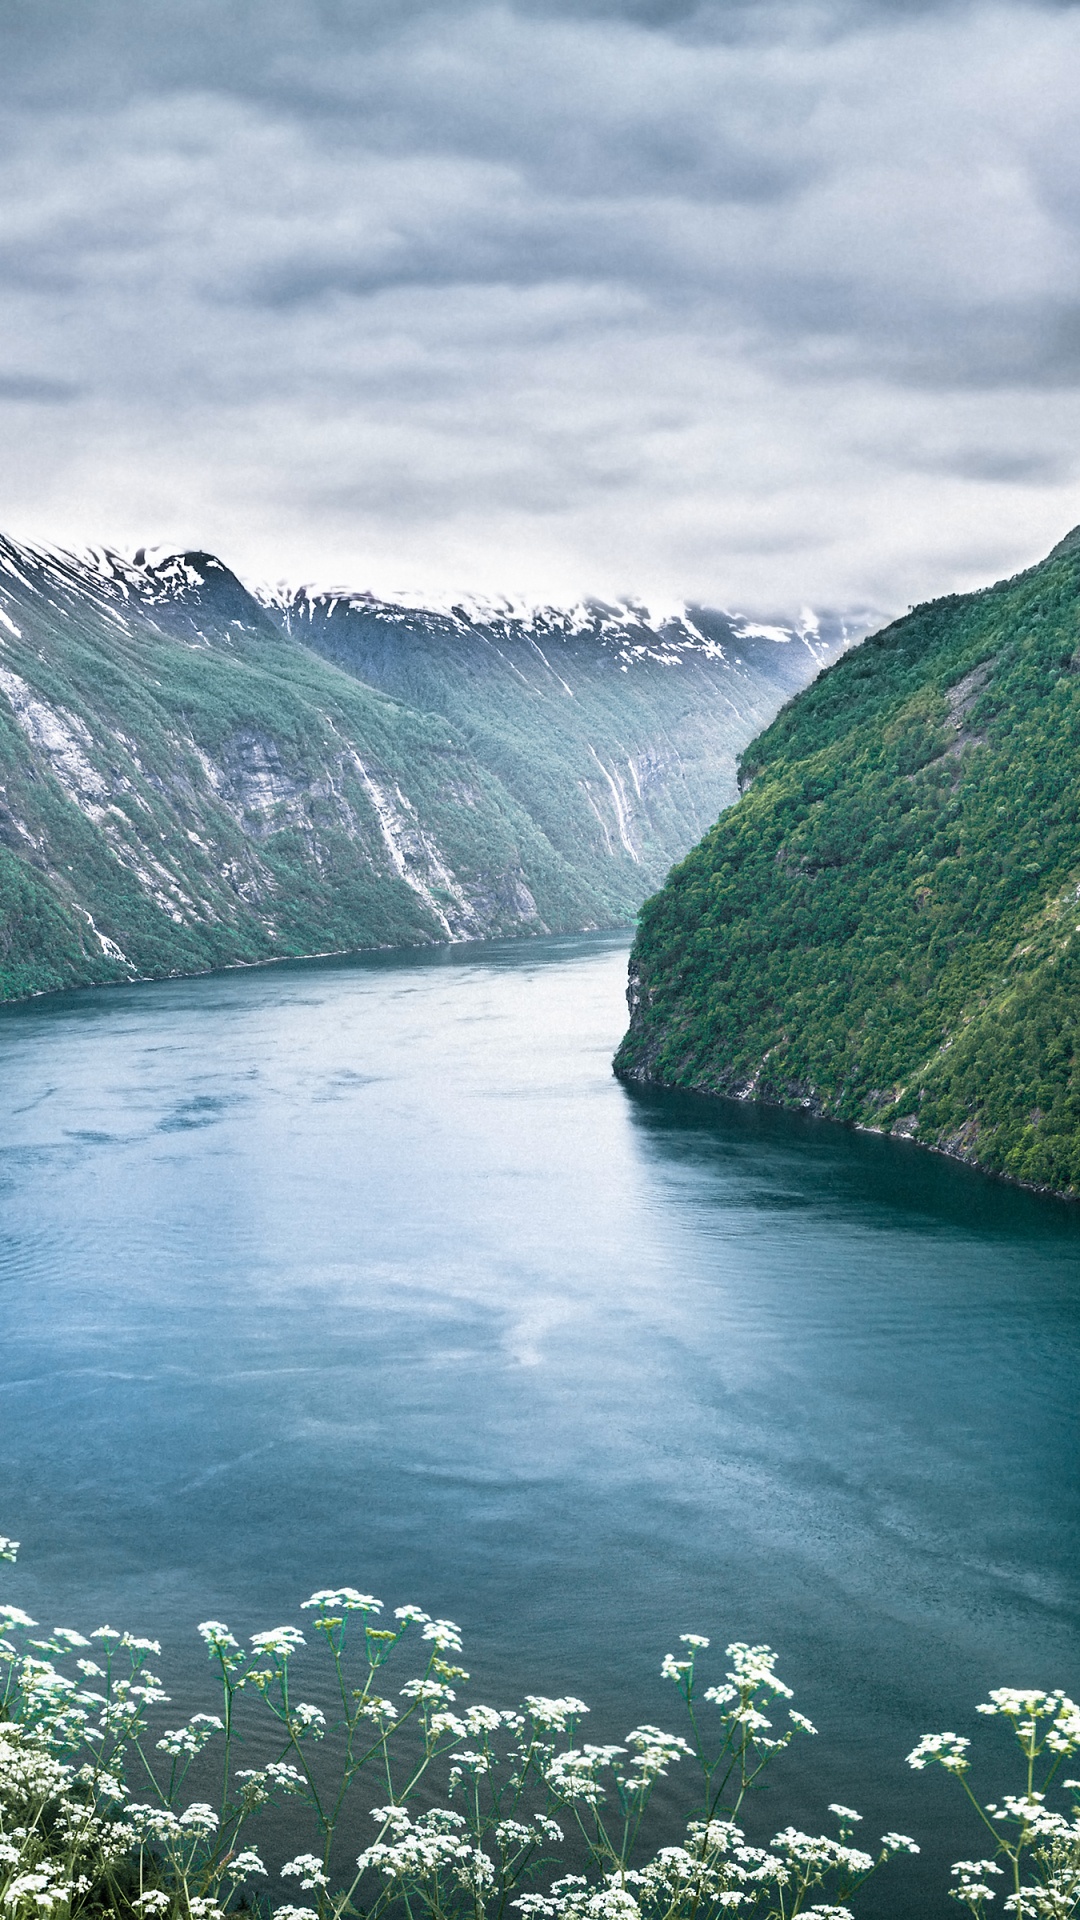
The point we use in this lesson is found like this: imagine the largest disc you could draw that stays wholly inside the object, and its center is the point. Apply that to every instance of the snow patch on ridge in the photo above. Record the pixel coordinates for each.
(666, 633)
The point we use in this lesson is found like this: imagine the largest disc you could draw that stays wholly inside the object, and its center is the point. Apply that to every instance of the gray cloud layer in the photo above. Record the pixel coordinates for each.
(744, 302)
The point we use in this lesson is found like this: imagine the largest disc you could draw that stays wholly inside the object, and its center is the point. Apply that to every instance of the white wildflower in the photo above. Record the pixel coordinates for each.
(1013, 1701)
(281, 1773)
(259, 1782)
(435, 1691)
(553, 1714)
(753, 1667)
(446, 1635)
(375, 1708)
(654, 1753)
(217, 1635)
(282, 1642)
(819, 1851)
(199, 1818)
(418, 1851)
(244, 1863)
(751, 1719)
(191, 1739)
(948, 1749)
(343, 1600)
(572, 1774)
(308, 1869)
(42, 1887)
(474, 1870)
(512, 1834)
(482, 1720)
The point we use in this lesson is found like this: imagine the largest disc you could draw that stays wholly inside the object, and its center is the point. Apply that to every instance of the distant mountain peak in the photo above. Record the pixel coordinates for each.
(634, 629)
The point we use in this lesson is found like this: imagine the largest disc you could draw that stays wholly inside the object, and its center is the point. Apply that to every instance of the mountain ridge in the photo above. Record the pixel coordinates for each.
(192, 776)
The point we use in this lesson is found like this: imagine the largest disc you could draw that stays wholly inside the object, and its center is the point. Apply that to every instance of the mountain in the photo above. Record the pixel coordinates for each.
(614, 727)
(886, 927)
(193, 777)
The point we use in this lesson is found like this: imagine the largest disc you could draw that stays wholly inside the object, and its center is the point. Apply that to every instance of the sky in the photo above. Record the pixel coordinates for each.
(752, 304)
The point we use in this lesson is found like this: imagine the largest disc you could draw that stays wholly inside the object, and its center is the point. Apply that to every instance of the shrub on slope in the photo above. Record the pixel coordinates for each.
(886, 927)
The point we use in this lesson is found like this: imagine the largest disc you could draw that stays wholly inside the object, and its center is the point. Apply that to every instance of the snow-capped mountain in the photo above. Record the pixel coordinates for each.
(195, 775)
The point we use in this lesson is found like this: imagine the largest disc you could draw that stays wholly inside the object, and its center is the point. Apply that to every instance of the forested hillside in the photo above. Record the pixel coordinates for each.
(186, 782)
(886, 927)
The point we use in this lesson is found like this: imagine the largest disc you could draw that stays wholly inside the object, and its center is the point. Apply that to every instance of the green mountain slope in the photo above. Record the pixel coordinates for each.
(186, 783)
(886, 927)
(618, 734)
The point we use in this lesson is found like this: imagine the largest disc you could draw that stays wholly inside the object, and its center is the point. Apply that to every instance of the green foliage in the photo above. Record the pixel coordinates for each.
(885, 928)
(185, 784)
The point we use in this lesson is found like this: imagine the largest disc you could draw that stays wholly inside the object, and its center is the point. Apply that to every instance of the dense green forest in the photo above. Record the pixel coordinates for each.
(886, 927)
(191, 778)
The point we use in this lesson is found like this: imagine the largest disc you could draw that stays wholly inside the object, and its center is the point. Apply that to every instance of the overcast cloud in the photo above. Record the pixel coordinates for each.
(750, 303)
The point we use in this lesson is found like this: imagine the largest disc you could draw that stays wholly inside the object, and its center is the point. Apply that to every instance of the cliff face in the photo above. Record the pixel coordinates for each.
(186, 781)
(886, 927)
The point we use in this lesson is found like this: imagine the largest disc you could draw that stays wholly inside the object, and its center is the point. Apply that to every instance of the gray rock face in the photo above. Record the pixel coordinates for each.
(193, 777)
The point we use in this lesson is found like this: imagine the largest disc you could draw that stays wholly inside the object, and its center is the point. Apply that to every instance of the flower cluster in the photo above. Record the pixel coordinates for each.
(1036, 1845)
(106, 1808)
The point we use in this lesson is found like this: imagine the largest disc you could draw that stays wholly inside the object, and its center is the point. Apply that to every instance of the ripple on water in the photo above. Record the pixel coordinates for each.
(370, 1272)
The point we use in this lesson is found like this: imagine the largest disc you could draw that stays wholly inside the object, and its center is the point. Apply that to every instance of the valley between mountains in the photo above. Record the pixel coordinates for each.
(194, 777)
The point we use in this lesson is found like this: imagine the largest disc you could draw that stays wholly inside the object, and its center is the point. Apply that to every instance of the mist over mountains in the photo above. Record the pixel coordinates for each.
(194, 776)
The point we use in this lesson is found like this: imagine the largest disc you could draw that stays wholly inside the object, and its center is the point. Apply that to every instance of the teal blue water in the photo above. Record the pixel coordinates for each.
(370, 1272)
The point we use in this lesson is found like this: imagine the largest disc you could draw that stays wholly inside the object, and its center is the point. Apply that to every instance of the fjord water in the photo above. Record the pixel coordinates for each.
(369, 1272)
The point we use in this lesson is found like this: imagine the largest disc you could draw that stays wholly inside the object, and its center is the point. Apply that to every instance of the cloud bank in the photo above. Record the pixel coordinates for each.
(749, 303)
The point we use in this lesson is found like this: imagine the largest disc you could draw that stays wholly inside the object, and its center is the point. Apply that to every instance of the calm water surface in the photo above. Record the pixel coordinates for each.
(369, 1272)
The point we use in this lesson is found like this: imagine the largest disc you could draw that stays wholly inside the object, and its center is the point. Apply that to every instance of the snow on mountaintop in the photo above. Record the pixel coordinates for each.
(634, 629)
(664, 632)
(106, 576)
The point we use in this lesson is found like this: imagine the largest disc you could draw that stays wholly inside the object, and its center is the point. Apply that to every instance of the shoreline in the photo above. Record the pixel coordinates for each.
(811, 1110)
(328, 953)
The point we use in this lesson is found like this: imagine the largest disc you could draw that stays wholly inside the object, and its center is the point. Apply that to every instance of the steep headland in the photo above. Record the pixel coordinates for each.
(192, 777)
(886, 927)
